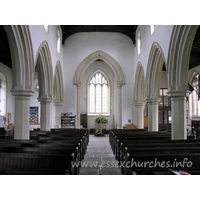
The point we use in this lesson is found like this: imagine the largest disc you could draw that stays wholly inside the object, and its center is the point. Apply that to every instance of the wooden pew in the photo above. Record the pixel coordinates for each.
(163, 144)
(119, 139)
(68, 135)
(46, 151)
(162, 162)
(85, 132)
(23, 163)
(55, 147)
(49, 137)
(2, 132)
(134, 133)
(47, 143)
(127, 145)
(28, 146)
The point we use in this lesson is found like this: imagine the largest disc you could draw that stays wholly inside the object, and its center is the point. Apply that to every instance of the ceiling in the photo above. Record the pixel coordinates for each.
(67, 30)
(5, 55)
(129, 30)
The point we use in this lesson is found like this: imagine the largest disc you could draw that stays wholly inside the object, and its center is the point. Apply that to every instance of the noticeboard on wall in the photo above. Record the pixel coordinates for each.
(34, 115)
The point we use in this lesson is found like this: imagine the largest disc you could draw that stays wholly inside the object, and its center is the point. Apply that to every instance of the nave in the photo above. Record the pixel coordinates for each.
(77, 152)
(99, 158)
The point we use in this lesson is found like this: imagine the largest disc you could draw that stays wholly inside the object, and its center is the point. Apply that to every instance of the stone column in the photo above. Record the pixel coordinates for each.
(57, 114)
(22, 114)
(178, 112)
(45, 123)
(119, 106)
(78, 110)
(152, 114)
(140, 114)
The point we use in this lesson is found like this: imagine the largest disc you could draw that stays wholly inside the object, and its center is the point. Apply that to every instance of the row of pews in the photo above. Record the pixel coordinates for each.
(56, 152)
(141, 152)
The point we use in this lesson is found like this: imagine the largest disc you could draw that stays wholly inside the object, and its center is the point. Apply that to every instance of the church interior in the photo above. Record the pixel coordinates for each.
(99, 111)
(144, 79)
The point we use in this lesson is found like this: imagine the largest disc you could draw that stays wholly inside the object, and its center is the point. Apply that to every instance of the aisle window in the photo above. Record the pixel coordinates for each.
(194, 97)
(2, 94)
(98, 94)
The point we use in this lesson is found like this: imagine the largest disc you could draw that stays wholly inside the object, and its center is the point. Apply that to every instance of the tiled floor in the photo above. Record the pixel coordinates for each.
(99, 158)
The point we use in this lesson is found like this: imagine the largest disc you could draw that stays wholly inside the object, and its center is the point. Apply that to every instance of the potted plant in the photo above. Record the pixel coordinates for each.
(100, 123)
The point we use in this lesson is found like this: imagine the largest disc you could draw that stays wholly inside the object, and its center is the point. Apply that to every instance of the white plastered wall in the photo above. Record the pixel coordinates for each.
(162, 36)
(120, 47)
(10, 105)
(39, 35)
(80, 45)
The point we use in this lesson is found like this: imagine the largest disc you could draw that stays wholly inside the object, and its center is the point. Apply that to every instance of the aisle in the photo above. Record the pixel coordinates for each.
(99, 158)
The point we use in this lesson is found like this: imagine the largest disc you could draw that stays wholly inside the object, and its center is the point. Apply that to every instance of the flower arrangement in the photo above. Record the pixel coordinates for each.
(100, 122)
(100, 119)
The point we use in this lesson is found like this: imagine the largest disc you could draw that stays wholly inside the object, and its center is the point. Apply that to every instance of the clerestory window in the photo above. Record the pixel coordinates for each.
(46, 27)
(58, 40)
(152, 28)
(139, 42)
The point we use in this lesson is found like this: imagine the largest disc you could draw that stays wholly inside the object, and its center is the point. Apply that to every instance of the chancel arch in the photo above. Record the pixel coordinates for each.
(119, 77)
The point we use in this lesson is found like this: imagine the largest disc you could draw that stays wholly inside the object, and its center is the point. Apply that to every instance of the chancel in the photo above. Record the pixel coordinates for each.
(55, 79)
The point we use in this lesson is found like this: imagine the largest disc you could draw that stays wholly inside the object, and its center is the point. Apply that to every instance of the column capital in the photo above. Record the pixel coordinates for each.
(58, 103)
(178, 95)
(22, 94)
(152, 100)
(119, 85)
(138, 104)
(78, 84)
(45, 100)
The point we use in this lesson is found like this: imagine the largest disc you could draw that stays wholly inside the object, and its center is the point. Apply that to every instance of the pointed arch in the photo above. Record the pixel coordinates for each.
(154, 70)
(22, 56)
(118, 73)
(99, 71)
(44, 68)
(179, 56)
(139, 86)
(112, 63)
(58, 84)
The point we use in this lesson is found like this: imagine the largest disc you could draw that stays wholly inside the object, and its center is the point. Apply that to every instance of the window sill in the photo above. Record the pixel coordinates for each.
(94, 115)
